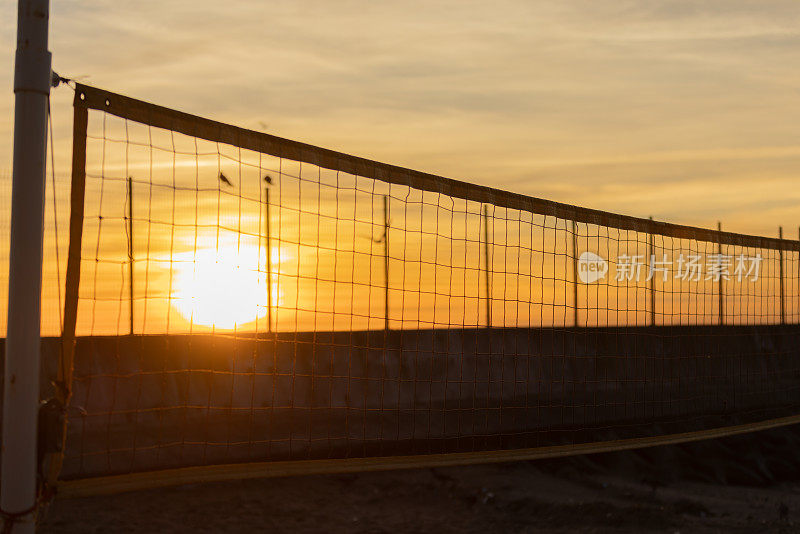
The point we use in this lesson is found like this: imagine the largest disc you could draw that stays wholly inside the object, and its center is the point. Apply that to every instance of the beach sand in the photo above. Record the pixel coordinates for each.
(739, 484)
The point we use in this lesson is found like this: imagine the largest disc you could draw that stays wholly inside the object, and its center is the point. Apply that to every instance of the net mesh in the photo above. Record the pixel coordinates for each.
(244, 298)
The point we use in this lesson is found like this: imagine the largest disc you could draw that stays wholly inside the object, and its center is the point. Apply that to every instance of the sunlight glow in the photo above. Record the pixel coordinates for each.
(223, 288)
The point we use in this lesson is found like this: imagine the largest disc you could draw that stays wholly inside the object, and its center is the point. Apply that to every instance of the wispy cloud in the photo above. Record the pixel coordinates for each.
(569, 99)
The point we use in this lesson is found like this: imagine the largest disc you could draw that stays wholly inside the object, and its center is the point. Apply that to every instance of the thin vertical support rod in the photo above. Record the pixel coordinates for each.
(488, 267)
(130, 250)
(652, 259)
(721, 282)
(77, 194)
(780, 260)
(32, 79)
(386, 261)
(575, 273)
(269, 263)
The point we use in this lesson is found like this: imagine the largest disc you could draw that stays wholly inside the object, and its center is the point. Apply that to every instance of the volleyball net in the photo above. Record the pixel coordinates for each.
(238, 304)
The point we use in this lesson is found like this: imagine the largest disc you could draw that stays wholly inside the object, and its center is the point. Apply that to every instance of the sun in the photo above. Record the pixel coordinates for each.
(224, 288)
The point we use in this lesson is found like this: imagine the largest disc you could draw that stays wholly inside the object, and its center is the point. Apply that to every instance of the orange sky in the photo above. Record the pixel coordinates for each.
(680, 110)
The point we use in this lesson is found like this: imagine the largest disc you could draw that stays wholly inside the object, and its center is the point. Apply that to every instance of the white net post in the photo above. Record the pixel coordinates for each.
(21, 381)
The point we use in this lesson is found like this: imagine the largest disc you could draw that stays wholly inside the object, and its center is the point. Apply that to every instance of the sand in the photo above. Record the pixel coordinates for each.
(741, 484)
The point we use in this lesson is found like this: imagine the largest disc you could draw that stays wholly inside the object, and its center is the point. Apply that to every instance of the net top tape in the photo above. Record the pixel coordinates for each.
(210, 130)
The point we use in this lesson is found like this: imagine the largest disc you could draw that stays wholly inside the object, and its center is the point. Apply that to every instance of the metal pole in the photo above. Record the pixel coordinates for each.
(575, 272)
(386, 260)
(721, 280)
(486, 261)
(652, 254)
(32, 80)
(130, 248)
(269, 269)
(780, 259)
